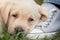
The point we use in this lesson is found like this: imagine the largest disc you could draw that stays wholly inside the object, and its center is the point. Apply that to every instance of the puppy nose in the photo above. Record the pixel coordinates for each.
(18, 29)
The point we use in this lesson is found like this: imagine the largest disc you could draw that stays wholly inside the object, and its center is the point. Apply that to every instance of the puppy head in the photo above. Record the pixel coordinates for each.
(22, 16)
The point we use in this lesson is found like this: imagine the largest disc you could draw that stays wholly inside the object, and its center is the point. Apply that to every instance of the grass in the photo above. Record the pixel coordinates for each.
(7, 36)
(39, 1)
(21, 36)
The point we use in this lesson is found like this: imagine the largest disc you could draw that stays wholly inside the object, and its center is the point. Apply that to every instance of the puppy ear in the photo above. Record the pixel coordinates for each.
(44, 13)
(4, 13)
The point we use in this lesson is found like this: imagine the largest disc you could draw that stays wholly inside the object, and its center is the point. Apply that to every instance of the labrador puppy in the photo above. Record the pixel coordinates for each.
(21, 15)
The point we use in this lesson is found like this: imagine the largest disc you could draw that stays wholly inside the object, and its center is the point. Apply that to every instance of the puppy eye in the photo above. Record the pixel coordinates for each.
(30, 19)
(14, 15)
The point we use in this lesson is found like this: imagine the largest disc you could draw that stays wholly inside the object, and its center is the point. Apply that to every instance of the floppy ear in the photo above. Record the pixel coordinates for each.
(44, 13)
(4, 13)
